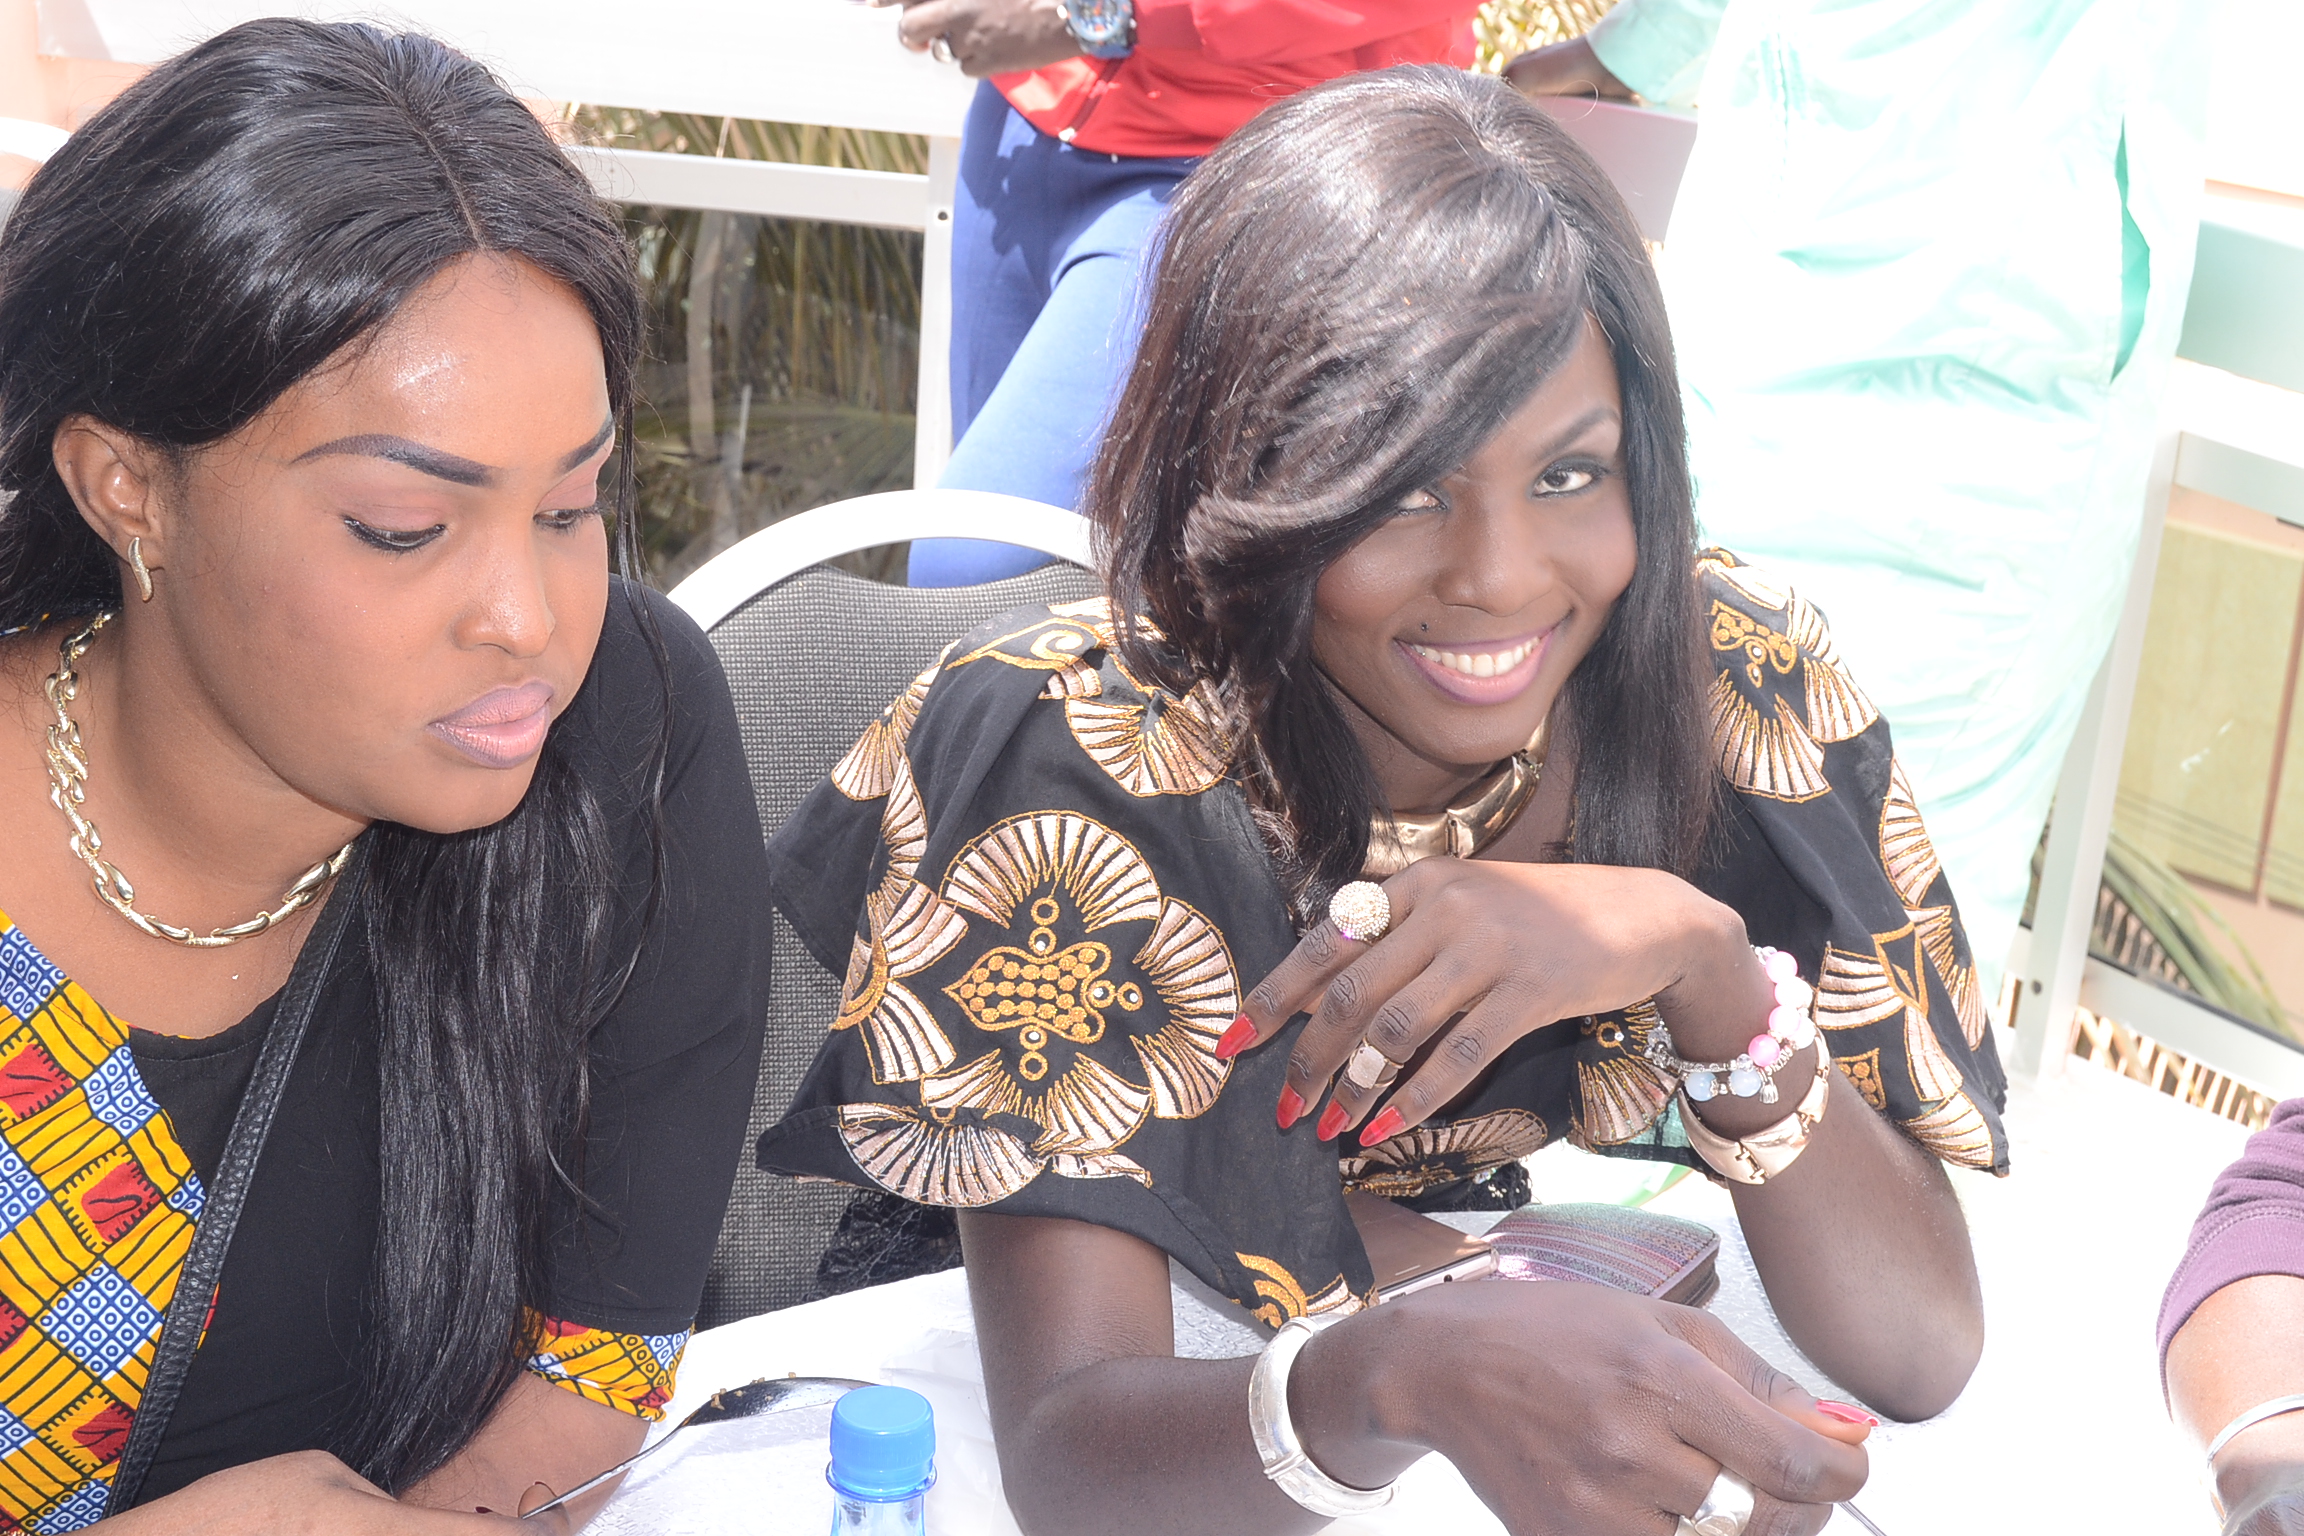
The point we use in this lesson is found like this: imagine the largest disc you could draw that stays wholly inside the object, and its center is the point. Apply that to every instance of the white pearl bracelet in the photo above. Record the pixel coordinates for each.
(1790, 1030)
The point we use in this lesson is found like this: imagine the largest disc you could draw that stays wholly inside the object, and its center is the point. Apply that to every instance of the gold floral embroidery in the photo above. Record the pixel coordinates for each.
(907, 929)
(1101, 871)
(1905, 849)
(904, 823)
(1762, 646)
(1837, 709)
(1425, 1155)
(1169, 746)
(1864, 1072)
(1758, 588)
(1938, 930)
(1070, 631)
(1955, 1131)
(1775, 757)
(1074, 680)
(1284, 1295)
(870, 766)
(1050, 873)
(1620, 1098)
(1855, 990)
(1621, 1094)
(934, 1158)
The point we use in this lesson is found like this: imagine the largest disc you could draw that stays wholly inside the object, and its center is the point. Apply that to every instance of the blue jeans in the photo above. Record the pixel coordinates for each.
(1048, 243)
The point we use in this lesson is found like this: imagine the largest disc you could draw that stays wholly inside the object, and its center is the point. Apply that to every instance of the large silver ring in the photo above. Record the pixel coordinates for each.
(1361, 911)
(1726, 1510)
(941, 49)
(1369, 1069)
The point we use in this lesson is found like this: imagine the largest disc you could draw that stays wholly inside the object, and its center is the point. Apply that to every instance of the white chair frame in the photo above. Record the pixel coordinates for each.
(743, 571)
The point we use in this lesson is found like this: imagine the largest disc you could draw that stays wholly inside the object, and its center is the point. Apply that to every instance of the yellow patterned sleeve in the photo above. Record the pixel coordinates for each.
(630, 1372)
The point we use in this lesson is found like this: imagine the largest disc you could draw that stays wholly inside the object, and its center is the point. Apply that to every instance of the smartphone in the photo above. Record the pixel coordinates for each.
(1411, 1252)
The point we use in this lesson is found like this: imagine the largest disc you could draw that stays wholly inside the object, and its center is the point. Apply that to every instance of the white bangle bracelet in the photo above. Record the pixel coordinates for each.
(1285, 1461)
(2249, 1420)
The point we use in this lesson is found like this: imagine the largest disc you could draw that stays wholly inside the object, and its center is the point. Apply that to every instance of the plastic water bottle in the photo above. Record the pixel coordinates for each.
(883, 1460)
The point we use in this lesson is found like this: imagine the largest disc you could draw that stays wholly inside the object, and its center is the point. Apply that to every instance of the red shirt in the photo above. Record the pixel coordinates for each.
(1203, 67)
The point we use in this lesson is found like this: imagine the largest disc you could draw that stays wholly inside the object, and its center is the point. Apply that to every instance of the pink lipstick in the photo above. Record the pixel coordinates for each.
(501, 729)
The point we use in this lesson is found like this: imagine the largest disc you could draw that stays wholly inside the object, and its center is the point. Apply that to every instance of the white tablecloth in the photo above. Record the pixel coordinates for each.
(2061, 1431)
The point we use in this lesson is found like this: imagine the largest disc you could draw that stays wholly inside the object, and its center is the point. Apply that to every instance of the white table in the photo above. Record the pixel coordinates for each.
(2062, 1429)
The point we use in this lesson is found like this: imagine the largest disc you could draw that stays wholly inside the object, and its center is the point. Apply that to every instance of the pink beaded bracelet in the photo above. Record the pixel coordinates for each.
(1790, 1029)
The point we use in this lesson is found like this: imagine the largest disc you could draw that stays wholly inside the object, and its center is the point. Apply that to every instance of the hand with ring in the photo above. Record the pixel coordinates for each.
(1416, 986)
(986, 37)
(1575, 1410)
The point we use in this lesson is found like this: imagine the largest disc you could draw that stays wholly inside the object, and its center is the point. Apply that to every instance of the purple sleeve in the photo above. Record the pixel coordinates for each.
(2253, 1223)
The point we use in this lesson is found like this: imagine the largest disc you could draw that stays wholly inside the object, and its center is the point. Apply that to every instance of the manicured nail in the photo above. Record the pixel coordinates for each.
(1291, 1107)
(1238, 1038)
(1846, 1413)
(1384, 1127)
(1331, 1122)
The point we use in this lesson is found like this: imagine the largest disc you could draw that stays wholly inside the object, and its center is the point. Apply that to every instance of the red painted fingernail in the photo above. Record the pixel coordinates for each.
(1331, 1122)
(1238, 1038)
(1291, 1107)
(1846, 1413)
(1384, 1127)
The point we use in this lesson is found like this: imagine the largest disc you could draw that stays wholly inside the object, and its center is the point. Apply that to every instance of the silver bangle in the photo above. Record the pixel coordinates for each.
(2249, 1420)
(1283, 1455)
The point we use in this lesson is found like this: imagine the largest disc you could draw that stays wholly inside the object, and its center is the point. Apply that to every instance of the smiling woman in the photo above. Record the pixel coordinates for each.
(395, 1197)
(1402, 587)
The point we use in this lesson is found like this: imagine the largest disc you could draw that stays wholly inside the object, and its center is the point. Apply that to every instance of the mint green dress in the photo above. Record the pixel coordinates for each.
(1926, 273)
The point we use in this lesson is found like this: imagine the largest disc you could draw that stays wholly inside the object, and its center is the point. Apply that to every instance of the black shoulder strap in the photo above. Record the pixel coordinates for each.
(204, 1262)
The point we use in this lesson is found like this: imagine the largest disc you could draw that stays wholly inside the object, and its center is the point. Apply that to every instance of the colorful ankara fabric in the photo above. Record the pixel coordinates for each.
(100, 1202)
(1047, 898)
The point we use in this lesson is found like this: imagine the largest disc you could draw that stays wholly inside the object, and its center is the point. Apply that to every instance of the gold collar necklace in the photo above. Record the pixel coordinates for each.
(1469, 823)
(68, 790)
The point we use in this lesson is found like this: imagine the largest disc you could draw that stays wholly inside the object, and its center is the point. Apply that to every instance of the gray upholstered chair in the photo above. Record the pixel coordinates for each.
(814, 653)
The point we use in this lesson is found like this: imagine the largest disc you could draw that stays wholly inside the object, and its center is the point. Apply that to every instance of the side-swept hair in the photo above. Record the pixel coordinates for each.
(231, 223)
(1352, 294)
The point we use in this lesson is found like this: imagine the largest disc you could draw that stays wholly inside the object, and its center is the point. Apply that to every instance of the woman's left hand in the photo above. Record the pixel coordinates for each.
(1480, 953)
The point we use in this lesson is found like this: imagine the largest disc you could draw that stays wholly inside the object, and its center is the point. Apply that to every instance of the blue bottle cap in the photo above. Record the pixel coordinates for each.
(883, 1443)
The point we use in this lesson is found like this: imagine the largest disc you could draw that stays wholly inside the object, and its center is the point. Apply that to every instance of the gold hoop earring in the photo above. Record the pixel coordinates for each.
(136, 564)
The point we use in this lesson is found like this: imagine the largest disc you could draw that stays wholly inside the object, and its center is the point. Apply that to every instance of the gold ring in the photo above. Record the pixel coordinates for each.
(1361, 911)
(1369, 1069)
(941, 49)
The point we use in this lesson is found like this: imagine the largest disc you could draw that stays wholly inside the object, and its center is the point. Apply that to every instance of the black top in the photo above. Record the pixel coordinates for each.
(1048, 897)
(672, 1072)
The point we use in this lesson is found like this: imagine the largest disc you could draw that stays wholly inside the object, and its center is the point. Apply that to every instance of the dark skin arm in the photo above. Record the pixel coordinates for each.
(1566, 69)
(2239, 1349)
(988, 37)
(1102, 1430)
(540, 1438)
(1889, 1305)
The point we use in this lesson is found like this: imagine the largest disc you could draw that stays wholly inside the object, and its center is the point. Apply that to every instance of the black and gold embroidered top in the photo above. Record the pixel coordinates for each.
(1048, 898)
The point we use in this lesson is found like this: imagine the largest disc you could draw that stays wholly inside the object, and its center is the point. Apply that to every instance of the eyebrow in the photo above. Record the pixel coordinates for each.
(438, 462)
(1576, 429)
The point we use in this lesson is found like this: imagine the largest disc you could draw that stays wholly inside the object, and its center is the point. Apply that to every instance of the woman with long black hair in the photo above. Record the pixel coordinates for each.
(1415, 796)
(378, 893)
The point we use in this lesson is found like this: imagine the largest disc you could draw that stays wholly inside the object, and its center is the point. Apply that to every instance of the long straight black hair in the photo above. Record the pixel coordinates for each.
(1352, 294)
(231, 223)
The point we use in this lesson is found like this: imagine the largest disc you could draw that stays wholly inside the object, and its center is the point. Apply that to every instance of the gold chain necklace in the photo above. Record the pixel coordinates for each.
(68, 791)
(1470, 823)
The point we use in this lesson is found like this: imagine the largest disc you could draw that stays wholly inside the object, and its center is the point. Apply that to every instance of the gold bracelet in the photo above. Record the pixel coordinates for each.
(1761, 1156)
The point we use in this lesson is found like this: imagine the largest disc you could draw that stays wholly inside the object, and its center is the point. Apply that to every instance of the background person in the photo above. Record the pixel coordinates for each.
(2229, 1340)
(1094, 112)
(1926, 270)
(1396, 531)
(316, 363)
